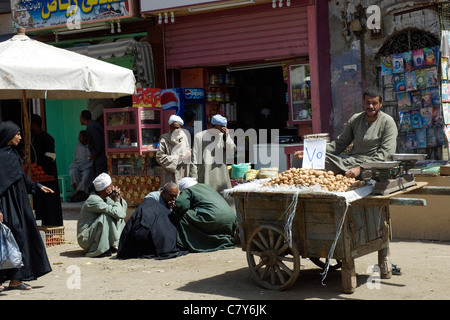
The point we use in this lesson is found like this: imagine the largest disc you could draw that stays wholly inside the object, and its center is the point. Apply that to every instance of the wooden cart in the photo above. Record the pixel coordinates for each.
(319, 223)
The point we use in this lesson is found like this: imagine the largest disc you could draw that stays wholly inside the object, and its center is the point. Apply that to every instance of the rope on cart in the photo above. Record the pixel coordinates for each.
(290, 217)
(333, 246)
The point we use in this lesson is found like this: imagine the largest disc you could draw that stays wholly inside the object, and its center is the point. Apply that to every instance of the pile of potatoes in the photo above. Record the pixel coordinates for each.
(327, 180)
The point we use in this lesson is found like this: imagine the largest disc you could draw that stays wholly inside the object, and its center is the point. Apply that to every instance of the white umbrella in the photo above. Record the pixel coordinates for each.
(32, 69)
(44, 71)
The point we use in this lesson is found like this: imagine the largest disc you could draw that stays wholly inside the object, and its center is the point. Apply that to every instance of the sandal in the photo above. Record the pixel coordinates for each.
(21, 286)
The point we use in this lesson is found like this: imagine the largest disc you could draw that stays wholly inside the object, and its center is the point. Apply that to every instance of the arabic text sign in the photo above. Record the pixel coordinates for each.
(40, 14)
(314, 153)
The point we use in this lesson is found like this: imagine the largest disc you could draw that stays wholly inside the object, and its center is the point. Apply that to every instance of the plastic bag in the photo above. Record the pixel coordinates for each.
(10, 255)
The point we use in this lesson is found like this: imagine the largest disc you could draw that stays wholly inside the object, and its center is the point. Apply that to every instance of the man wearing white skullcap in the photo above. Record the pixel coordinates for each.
(102, 182)
(101, 219)
(174, 118)
(219, 120)
(186, 183)
(174, 152)
(212, 150)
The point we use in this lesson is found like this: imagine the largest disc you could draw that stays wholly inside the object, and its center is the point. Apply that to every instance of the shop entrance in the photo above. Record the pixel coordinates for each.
(261, 99)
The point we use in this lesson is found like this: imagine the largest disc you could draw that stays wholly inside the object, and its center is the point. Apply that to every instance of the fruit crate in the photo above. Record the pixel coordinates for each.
(53, 235)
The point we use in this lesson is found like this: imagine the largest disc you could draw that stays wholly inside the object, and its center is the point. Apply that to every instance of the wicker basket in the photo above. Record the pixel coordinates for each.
(53, 235)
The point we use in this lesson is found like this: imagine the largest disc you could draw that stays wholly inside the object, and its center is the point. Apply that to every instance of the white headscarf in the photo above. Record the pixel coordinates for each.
(186, 182)
(102, 181)
(219, 120)
(174, 118)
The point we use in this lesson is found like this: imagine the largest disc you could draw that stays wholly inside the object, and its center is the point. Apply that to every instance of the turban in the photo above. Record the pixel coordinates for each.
(8, 130)
(186, 182)
(219, 120)
(102, 181)
(174, 118)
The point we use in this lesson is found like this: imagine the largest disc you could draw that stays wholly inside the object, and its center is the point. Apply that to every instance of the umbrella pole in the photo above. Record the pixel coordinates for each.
(26, 133)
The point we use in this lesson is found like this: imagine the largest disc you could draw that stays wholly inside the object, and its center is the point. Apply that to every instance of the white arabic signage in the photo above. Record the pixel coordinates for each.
(41, 14)
(155, 5)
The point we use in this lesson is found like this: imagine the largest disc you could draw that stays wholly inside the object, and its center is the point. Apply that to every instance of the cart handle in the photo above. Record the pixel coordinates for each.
(391, 201)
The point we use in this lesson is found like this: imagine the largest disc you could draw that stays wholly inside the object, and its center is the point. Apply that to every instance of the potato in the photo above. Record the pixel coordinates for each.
(326, 180)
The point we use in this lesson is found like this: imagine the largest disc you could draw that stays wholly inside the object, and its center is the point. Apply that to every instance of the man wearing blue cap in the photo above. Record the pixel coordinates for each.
(212, 150)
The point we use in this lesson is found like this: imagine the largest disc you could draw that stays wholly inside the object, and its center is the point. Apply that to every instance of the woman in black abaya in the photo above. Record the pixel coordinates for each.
(16, 212)
(46, 206)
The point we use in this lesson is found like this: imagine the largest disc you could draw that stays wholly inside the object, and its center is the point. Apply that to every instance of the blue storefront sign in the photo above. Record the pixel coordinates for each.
(43, 14)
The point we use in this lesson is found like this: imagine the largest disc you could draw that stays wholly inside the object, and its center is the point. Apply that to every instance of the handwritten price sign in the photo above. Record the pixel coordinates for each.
(314, 153)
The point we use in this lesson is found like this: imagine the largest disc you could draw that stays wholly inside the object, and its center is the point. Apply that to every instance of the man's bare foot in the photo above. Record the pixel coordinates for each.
(19, 285)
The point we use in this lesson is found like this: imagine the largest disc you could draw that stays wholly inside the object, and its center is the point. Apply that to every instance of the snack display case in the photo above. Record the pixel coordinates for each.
(134, 129)
(136, 175)
(131, 142)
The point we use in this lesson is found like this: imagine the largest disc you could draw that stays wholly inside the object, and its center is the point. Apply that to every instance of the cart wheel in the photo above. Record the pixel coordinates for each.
(321, 262)
(278, 264)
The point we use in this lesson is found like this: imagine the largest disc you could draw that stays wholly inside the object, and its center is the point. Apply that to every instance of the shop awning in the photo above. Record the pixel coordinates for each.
(142, 52)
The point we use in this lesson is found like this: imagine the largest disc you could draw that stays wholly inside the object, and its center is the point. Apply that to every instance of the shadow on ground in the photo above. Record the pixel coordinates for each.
(307, 286)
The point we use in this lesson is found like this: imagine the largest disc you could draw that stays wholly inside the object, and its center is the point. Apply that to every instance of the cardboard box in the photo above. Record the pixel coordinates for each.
(445, 170)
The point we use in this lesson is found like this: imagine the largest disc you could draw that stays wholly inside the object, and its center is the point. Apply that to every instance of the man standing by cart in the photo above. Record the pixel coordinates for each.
(374, 137)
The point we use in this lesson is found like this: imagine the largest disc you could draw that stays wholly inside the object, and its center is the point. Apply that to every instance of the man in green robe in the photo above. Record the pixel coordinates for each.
(205, 221)
(374, 137)
(101, 219)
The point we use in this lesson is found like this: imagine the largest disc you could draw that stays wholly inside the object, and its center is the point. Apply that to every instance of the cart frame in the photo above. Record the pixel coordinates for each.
(322, 227)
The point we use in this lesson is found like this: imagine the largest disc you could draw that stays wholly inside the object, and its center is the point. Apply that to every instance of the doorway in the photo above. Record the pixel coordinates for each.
(261, 99)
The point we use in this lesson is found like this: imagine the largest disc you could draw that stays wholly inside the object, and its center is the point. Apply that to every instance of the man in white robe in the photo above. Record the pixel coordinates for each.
(212, 150)
(174, 152)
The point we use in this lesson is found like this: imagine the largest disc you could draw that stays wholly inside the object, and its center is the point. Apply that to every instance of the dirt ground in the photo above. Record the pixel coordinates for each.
(224, 275)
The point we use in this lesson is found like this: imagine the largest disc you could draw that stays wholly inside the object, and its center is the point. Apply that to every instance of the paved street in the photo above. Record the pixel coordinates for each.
(224, 275)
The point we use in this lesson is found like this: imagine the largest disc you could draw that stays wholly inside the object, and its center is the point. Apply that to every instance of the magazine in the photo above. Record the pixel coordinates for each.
(386, 65)
(421, 137)
(397, 63)
(447, 132)
(405, 120)
(421, 79)
(411, 140)
(432, 77)
(429, 55)
(444, 88)
(435, 96)
(418, 58)
(416, 99)
(408, 64)
(431, 138)
(403, 100)
(410, 80)
(446, 113)
(401, 147)
(399, 82)
(437, 116)
(444, 66)
(426, 98)
(416, 119)
(427, 116)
